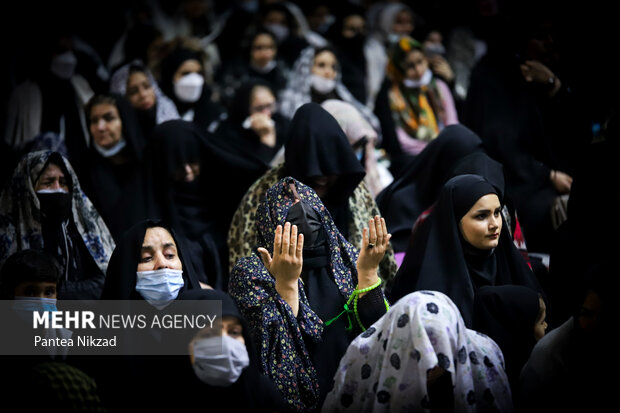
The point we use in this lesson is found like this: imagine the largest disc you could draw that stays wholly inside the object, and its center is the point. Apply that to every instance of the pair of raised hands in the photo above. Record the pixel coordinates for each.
(287, 261)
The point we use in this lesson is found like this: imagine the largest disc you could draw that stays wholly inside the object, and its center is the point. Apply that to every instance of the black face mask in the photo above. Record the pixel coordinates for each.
(56, 206)
(308, 222)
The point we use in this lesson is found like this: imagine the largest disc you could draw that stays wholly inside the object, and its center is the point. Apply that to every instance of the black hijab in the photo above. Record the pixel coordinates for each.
(415, 190)
(317, 146)
(439, 258)
(120, 282)
(246, 142)
(205, 110)
(507, 314)
(350, 51)
(106, 182)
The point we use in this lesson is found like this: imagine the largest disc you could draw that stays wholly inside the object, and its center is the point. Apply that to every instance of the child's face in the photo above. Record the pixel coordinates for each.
(40, 289)
(541, 325)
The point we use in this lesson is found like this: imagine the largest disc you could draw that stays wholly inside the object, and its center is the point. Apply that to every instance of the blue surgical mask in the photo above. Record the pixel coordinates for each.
(110, 152)
(160, 287)
(25, 306)
(219, 361)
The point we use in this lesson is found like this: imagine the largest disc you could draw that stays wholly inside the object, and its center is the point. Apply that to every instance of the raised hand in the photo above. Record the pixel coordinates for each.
(286, 263)
(375, 241)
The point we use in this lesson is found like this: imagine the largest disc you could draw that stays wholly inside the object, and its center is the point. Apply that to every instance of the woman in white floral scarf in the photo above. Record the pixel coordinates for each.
(420, 357)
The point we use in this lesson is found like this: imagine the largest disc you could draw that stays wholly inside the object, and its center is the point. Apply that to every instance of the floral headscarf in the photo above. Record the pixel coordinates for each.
(20, 213)
(385, 368)
(278, 332)
(419, 110)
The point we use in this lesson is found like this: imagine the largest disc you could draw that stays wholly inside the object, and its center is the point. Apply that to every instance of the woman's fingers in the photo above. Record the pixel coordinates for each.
(277, 242)
(372, 237)
(292, 249)
(265, 256)
(379, 230)
(286, 238)
(300, 247)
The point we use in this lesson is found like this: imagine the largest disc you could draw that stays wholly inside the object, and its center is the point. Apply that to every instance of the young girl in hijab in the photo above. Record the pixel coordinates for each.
(421, 357)
(254, 128)
(464, 245)
(184, 78)
(421, 104)
(418, 187)
(225, 369)
(136, 82)
(318, 154)
(116, 148)
(44, 207)
(293, 289)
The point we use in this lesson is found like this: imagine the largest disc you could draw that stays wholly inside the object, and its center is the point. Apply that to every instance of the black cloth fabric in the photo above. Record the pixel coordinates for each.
(580, 241)
(107, 181)
(439, 259)
(318, 147)
(415, 190)
(200, 210)
(528, 133)
(121, 278)
(245, 142)
(507, 314)
(350, 51)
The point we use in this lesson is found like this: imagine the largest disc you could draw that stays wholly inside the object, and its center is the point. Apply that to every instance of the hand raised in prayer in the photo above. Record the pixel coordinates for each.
(286, 263)
(375, 241)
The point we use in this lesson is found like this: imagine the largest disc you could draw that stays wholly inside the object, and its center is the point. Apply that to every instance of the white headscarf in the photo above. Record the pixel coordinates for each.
(166, 109)
(385, 368)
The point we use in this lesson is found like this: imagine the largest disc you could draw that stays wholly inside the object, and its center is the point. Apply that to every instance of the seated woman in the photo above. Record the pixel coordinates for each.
(149, 262)
(259, 60)
(253, 128)
(186, 79)
(418, 187)
(463, 246)
(136, 82)
(316, 77)
(44, 207)
(318, 154)
(293, 288)
(420, 356)
(223, 365)
(421, 104)
(116, 149)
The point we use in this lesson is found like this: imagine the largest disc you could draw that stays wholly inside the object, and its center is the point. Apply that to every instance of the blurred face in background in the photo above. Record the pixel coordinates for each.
(140, 91)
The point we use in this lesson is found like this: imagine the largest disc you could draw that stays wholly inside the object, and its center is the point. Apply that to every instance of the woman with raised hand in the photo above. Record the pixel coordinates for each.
(306, 291)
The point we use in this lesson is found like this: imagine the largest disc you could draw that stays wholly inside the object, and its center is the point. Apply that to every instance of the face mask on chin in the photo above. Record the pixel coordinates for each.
(322, 84)
(63, 65)
(110, 152)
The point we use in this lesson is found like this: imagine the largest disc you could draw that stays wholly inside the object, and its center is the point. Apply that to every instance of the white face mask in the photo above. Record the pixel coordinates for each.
(63, 65)
(424, 80)
(220, 365)
(265, 69)
(278, 30)
(159, 287)
(52, 191)
(189, 87)
(322, 84)
(393, 38)
(108, 153)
